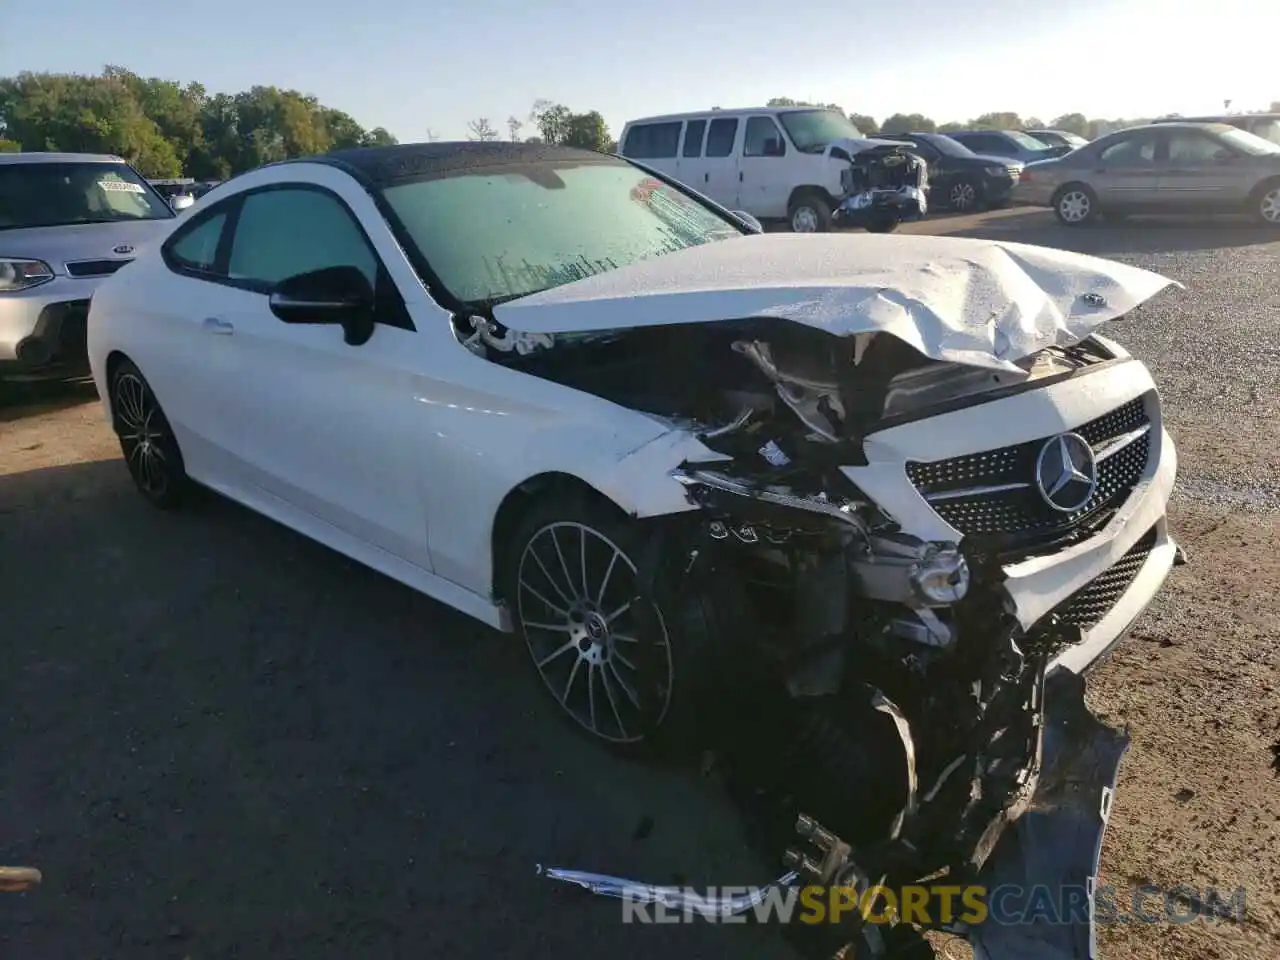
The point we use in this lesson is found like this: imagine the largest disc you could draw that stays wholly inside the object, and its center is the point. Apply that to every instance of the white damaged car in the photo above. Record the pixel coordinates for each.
(856, 512)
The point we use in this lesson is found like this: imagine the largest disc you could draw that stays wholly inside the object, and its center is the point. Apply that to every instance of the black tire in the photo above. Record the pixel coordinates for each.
(651, 687)
(885, 224)
(809, 212)
(147, 442)
(1075, 205)
(965, 196)
(1264, 203)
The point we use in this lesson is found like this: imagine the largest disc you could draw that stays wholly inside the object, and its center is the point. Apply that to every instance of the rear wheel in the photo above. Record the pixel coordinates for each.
(809, 213)
(1075, 205)
(146, 440)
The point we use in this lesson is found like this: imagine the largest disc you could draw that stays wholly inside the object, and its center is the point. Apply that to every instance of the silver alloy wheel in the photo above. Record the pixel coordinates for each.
(963, 196)
(1269, 206)
(804, 220)
(576, 595)
(1074, 206)
(140, 434)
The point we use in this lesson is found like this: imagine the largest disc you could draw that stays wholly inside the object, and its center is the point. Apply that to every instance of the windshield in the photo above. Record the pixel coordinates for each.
(945, 145)
(58, 194)
(1026, 141)
(492, 235)
(1247, 142)
(812, 130)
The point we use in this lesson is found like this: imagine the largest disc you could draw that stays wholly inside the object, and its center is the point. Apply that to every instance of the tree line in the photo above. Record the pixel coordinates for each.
(170, 129)
(1076, 123)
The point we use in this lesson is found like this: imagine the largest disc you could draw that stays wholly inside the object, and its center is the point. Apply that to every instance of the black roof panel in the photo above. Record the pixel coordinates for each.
(383, 165)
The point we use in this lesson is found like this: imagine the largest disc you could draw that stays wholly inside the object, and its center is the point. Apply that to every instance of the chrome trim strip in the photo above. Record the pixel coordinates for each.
(976, 491)
(1113, 446)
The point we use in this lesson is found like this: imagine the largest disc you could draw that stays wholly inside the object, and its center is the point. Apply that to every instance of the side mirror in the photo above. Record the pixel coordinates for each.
(338, 295)
(755, 225)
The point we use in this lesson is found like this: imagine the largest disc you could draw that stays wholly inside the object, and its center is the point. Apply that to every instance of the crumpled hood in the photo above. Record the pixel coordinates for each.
(978, 302)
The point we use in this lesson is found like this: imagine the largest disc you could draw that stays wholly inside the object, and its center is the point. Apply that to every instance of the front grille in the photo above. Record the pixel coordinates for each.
(1086, 607)
(94, 268)
(1017, 519)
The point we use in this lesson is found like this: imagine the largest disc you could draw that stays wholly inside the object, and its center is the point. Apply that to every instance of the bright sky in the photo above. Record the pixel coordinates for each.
(435, 65)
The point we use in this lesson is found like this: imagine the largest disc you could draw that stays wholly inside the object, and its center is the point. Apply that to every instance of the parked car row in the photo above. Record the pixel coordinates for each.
(1166, 167)
(789, 164)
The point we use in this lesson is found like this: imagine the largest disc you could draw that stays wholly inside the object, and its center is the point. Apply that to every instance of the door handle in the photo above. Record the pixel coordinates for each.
(218, 325)
(739, 176)
(706, 178)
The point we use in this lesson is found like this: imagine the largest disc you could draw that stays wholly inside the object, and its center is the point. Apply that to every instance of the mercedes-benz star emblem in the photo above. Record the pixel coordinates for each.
(1066, 472)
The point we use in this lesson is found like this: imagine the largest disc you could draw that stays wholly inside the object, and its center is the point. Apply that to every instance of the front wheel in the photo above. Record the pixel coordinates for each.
(1075, 205)
(147, 442)
(965, 196)
(1266, 207)
(625, 660)
(809, 213)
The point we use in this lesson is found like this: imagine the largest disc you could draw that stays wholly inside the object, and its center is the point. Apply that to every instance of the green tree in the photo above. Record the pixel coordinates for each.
(908, 123)
(1072, 123)
(997, 121)
(10, 146)
(865, 124)
(951, 126)
(587, 131)
(551, 119)
(378, 137)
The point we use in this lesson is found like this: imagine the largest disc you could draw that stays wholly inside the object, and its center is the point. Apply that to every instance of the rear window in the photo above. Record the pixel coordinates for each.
(60, 194)
(652, 141)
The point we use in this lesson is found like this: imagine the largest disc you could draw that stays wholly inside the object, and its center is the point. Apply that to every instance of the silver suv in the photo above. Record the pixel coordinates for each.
(67, 220)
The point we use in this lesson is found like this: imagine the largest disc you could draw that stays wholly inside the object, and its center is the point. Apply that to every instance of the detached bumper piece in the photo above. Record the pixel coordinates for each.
(1047, 842)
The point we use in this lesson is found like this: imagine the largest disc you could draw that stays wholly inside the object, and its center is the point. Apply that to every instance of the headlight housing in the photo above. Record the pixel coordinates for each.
(998, 171)
(18, 273)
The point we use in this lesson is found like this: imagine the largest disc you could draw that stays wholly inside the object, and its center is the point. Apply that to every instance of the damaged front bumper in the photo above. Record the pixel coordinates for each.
(867, 207)
(1050, 846)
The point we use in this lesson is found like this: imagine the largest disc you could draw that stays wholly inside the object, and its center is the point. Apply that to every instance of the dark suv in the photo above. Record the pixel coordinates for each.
(959, 178)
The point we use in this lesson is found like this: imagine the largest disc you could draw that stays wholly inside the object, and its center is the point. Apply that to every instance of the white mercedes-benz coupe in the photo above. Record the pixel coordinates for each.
(867, 506)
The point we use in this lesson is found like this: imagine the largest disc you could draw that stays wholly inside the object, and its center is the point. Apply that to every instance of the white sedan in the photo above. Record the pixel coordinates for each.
(728, 488)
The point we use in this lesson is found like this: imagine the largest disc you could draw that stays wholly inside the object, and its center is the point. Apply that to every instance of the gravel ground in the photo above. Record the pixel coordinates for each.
(222, 740)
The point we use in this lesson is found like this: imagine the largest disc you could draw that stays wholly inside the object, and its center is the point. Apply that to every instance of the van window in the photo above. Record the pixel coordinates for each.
(720, 136)
(693, 133)
(762, 139)
(652, 141)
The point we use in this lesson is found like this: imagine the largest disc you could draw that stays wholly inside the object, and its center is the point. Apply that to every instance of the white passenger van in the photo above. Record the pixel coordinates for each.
(775, 163)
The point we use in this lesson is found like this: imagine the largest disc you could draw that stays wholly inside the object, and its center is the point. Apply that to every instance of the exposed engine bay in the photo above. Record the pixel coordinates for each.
(906, 707)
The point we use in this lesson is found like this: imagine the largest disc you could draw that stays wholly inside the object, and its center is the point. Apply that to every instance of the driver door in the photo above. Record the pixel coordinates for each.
(764, 185)
(1125, 174)
(302, 417)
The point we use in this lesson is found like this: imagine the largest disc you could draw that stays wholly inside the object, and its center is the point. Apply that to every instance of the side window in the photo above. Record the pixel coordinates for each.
(694, 131)
(286, 231)
(925, 150)
(720, 136)
(1190, 149)
(652, 141)
(1138, 151)
(195, 247)
(992, 144)
(762, 139)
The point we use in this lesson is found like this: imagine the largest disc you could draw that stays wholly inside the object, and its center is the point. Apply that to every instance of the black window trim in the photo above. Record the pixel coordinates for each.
(392, 312)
